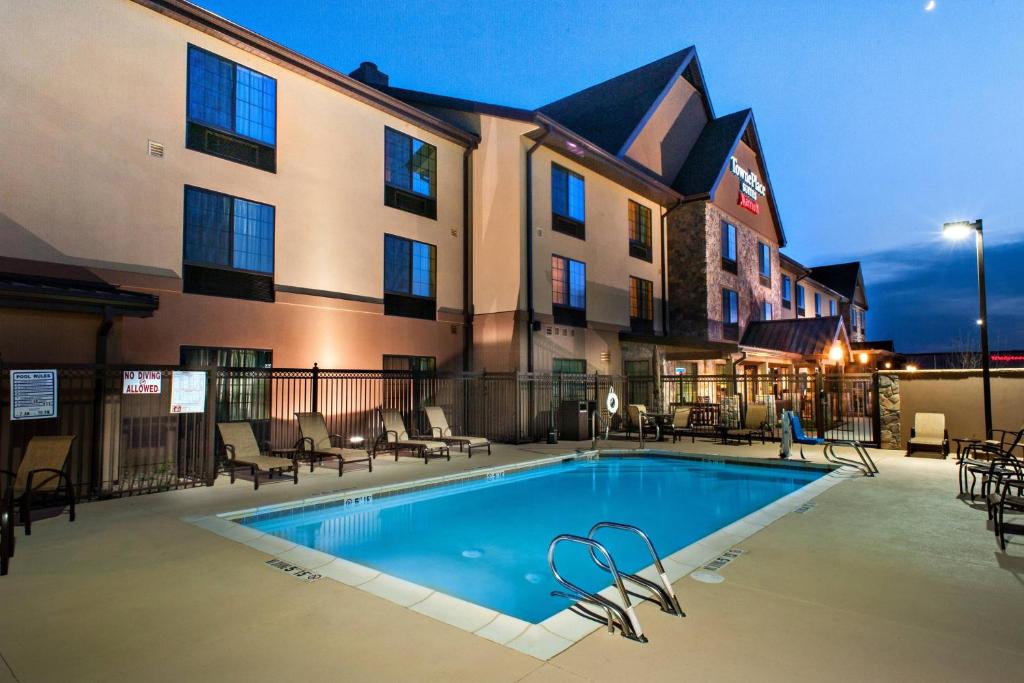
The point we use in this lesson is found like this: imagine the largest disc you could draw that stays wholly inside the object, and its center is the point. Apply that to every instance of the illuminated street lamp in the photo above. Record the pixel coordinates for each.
(959, 231)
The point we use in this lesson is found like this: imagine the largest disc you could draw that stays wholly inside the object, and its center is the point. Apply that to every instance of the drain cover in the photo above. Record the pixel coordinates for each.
(704, 576)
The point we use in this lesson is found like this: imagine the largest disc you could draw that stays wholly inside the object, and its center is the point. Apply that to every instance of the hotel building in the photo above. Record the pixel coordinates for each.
(194, 192)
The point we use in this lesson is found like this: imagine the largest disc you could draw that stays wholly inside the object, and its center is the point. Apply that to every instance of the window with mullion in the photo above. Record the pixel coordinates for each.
(410, 164)
(568, 290)
(728, 247)
(228, 232)
(764, 261)
(817, 305)
(568, 202)
(730, 314)
(641, 304)
(410, 277)
(787, 292)
(639, 231)
(801, 297)
(231, 110)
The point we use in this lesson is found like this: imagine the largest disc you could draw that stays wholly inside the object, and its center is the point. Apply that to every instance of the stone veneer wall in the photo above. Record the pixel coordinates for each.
(889, 411)
(687, 258)
(696, 278)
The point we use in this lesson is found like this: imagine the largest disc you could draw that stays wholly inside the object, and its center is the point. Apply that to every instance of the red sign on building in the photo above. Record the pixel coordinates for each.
(748, 203)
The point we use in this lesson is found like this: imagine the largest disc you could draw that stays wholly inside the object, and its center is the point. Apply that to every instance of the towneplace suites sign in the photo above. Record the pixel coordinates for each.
(751, 186)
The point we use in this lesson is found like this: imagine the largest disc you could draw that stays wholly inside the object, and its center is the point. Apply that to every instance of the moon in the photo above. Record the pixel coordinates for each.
(930, 6)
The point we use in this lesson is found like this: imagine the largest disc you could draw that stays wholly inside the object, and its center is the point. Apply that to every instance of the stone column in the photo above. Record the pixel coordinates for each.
(889, 412)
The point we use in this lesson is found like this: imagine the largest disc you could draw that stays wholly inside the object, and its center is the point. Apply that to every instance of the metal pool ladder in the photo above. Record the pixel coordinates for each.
(614, 615)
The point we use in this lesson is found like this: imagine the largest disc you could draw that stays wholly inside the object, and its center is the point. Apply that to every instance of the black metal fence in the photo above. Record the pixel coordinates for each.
(128, 443)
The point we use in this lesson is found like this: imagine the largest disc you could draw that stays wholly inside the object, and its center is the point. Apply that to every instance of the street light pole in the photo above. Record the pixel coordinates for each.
(986, 386)
(960, 230)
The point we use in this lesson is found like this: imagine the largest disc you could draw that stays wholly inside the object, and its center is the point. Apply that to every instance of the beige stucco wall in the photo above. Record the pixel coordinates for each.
(77, 185)
(605, 249)
(727, 195)
(670, 132)
(958, 395)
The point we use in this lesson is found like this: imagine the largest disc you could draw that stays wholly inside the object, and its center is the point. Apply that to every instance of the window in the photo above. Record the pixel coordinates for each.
(764, 262)
(568, 212)
(410, 276)
(424, 365)
(817, 305)
(568, 366)
(730, 315)
(787, 292)
(831, 306)
(229, 246)
(231, 111)
(766, 311)
(569, 291)
(641, 305)
(410, 174)
(640, 231)
(239, 396)
(800, 296)
(728, 247)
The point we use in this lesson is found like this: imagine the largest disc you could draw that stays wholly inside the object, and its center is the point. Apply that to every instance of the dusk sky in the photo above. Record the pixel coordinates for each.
(879, 120)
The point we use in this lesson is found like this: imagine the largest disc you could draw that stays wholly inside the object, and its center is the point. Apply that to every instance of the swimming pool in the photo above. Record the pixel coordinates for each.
(485, 540)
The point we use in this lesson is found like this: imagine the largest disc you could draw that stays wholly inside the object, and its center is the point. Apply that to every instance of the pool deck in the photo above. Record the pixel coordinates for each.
(891, 578)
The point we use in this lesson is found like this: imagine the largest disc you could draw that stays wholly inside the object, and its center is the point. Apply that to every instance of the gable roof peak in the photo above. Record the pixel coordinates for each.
(610, 112)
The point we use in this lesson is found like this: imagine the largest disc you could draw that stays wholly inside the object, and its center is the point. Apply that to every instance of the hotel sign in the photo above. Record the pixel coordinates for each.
(751, 186)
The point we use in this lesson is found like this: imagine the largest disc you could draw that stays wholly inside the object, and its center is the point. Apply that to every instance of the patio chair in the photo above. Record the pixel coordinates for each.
(242, 450)
(681, 424)
(440, 429)
(395, 438)
(929, 432)
(1009, 496)
(755, 423)
(42, 472)
(864, 463)
(640, 420)
(976, 458)
(316, 443)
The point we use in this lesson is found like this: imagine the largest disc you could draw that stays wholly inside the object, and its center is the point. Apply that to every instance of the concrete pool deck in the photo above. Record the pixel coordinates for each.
(884, 579)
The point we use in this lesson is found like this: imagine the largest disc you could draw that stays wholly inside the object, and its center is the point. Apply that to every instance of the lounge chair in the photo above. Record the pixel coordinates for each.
(439, 429)
(755, 423)
(681, 424)
(640, 420)
(43, 470)
(864, 463)
(316, 443)
(395, 438)
(929, 432)
(242, 450)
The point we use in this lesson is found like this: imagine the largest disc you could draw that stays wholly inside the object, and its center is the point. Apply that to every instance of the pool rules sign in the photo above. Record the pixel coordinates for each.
(142, 382)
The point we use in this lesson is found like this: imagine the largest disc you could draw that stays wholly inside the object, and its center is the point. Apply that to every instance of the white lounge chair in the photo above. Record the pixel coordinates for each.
(929, 432)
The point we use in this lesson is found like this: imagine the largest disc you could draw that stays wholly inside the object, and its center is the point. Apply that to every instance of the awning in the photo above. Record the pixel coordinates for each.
(39, 285)
(806, 337)
(680, 347)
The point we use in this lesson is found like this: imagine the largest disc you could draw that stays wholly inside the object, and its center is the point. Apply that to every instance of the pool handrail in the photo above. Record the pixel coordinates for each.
(665, 595)
(622, 616)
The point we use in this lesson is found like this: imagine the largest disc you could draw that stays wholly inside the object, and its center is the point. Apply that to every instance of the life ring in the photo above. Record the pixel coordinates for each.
(611, 402)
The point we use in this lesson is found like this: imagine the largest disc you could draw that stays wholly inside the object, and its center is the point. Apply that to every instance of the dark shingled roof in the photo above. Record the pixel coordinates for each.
(842, 277)
(803, 336)
(609, 112)
(710, 154)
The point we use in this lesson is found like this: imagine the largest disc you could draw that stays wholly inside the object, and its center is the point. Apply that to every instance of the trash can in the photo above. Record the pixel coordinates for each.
(572, 421)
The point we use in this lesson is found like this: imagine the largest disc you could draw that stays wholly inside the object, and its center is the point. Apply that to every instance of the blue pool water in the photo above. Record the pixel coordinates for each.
(486, 540)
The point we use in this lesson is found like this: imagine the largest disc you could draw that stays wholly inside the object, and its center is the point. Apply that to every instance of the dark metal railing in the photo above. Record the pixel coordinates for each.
(132, 443)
